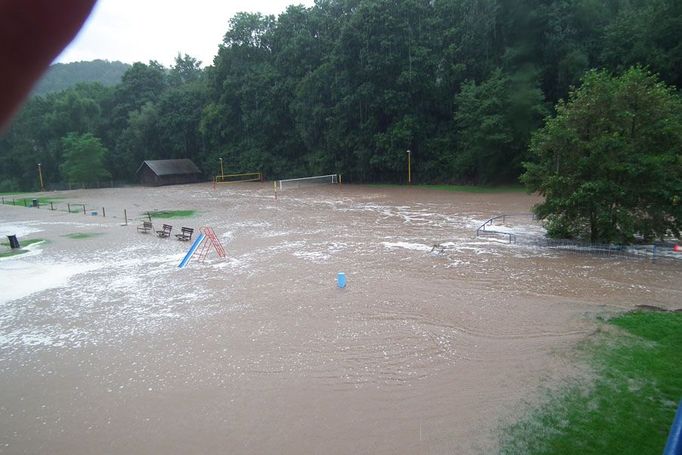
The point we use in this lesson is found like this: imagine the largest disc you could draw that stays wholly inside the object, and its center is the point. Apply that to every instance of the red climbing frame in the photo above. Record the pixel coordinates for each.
(211, 241)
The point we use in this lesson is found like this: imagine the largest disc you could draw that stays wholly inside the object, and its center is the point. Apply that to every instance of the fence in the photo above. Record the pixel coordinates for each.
(69, 207)
(483, 230)
(654, 252)
(63, 186)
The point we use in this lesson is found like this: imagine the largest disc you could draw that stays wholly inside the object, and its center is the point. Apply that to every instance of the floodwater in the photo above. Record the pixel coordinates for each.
(106, 346)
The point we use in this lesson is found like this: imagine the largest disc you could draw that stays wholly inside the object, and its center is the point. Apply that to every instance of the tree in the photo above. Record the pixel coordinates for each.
(609, 164)
(495, 120)
(187, 69)
(83, 159)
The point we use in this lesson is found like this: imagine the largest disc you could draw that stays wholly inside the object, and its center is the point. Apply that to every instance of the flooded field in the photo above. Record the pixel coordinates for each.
(106, 346)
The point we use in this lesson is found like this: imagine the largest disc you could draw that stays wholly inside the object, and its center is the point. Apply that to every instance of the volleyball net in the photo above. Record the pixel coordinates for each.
(236, 178)
(302, 182)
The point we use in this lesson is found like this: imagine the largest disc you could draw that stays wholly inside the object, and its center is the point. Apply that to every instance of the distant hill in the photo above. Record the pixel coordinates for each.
(61, 76)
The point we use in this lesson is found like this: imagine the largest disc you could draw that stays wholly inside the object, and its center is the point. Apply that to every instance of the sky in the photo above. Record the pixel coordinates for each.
(138, 31)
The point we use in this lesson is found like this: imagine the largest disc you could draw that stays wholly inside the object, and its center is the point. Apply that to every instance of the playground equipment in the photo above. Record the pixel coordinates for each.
(191, 251)
(207, 240)
(674, 444)
(491, 233)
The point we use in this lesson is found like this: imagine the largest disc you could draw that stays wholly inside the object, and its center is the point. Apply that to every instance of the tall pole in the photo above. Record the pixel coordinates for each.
(40, 174)
(409, 167)
(222, 174)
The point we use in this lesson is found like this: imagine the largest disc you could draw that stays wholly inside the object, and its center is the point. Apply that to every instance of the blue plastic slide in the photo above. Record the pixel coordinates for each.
(191, 251)
(674, 445)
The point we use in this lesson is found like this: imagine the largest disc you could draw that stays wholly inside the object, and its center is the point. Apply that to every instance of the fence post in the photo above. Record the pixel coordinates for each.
(84, 210)
(125, 215)
(104, 214)
(68, 205)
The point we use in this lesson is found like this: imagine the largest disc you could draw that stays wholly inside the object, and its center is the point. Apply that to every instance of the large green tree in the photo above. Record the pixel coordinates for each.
(494, 121)
(609, 164)
(83, 159)
(348, 85)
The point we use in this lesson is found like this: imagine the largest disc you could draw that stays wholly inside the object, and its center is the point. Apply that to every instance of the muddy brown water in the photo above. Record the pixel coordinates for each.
(422, 352)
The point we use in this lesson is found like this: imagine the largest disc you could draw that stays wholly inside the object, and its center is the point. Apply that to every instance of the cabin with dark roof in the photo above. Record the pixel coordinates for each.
(168, 172)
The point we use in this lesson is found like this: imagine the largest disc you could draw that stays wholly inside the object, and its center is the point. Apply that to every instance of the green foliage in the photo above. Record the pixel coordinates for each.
(644, 33)
(494, 122)
(15, 252)
(172, 213)
(62, 76)
(82, 235)
(348, 86)
(609, 163)
(83, 159)
(631, 404)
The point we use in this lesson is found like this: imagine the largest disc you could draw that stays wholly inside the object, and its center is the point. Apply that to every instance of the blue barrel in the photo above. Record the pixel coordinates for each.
(341, 279)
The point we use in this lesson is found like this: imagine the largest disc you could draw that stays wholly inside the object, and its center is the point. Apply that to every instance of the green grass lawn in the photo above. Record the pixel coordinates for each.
(464, 188)
(172, 213)
(631, 405)
(82, 235)
(23, 243)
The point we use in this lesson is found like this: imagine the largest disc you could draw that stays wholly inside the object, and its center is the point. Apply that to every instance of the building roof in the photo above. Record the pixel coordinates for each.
(170, 167)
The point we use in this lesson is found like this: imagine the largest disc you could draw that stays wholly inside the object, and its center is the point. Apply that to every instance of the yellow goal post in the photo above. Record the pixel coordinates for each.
(236, 178)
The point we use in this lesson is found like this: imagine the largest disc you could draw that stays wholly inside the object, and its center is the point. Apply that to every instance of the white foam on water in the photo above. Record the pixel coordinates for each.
(20, 230)
(20, 278)
(407, 246)
(313, 256)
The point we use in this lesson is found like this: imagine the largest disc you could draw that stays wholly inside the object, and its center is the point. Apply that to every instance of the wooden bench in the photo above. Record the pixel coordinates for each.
(166, 231)
(186, 234)
(145, 227)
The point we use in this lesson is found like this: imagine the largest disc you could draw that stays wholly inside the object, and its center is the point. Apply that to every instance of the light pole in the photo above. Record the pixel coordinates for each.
(222, 174)
(409, 167)
(40, 174)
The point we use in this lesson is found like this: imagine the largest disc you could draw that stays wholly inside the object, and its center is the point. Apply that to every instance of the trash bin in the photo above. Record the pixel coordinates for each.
(35, 203)
(13, 242)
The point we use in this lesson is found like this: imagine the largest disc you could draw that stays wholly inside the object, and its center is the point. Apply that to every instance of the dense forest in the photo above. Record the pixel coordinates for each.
(61, 76)
(348, 86)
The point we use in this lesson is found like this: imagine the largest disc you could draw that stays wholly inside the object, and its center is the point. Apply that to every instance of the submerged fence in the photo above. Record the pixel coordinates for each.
(68, 207)
(653, 252)
(484, 231)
